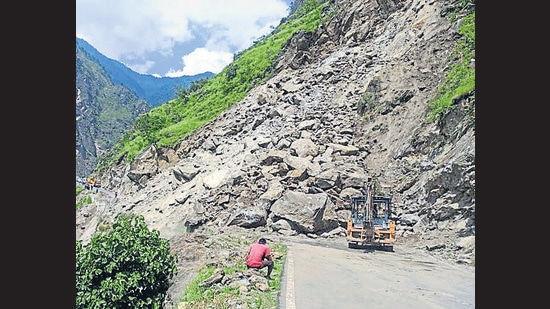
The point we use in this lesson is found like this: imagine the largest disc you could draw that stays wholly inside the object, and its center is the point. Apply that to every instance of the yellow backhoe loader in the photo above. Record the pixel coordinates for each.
(94, 183)
(369, 223)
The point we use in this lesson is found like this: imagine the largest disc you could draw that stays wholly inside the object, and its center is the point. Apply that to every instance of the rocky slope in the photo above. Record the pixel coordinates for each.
(347, 102)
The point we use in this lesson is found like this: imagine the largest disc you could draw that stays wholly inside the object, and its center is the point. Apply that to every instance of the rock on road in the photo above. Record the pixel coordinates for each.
(318, 277)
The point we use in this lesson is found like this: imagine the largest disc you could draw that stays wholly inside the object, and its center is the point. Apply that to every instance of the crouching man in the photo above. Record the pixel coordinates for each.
(259, 256)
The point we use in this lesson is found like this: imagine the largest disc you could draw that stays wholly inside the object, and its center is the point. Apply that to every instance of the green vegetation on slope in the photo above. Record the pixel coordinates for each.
(81, 197)
(461, 77)
(167, 124)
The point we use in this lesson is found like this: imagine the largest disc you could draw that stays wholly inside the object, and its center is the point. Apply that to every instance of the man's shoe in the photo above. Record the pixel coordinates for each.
(268, 278)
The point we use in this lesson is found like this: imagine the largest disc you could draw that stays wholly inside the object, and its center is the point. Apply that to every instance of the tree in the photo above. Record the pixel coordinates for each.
(128, 266)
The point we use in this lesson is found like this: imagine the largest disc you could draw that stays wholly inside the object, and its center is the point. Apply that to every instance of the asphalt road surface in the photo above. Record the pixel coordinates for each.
(319, 277)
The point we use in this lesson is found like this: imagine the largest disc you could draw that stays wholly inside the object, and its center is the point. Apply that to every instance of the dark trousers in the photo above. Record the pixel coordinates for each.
(265, 263)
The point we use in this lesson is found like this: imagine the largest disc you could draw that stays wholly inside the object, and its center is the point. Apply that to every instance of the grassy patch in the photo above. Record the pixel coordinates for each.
(79, 190)
(82, 197)
(460, 80)
(221, 296)
(83, 201)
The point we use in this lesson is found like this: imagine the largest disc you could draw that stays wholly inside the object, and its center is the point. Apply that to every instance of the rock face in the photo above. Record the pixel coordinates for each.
(348, 101)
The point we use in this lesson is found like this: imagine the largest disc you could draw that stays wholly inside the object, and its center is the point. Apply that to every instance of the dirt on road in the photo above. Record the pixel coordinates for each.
(332, 275)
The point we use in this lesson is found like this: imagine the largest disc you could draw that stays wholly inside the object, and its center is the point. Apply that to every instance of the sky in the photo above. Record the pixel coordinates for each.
(171, 38)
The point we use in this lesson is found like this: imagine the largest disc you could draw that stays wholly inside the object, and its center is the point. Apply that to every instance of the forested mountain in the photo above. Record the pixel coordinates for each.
(155, 90)
(104, 111)
(109, 97)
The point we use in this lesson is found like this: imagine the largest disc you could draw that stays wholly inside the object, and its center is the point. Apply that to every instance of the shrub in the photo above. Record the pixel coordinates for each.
(127, 266)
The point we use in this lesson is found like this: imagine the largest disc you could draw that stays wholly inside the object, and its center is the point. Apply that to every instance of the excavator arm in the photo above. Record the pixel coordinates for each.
(369, 222)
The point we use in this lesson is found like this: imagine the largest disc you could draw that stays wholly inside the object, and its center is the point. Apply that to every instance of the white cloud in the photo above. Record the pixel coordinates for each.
(122, 27)
(202, 60)
(143, 67)
(144, 34)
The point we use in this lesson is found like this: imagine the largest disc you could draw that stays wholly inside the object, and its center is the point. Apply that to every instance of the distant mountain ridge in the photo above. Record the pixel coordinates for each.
(104, 111)
(155, 90)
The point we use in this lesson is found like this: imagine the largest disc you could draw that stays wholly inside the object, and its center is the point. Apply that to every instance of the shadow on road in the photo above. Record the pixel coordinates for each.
(369, 248)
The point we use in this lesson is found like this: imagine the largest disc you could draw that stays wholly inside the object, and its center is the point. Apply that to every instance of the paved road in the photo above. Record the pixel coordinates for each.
(317, 277)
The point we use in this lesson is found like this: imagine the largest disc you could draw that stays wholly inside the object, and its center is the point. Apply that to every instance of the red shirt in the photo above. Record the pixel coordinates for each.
(257, 253)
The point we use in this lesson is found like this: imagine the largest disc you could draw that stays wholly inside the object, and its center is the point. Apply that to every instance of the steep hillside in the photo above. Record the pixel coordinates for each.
(154, 90)
(348, 101)
(104, 111)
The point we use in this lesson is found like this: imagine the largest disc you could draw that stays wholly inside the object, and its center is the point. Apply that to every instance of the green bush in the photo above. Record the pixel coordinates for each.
(127, 266)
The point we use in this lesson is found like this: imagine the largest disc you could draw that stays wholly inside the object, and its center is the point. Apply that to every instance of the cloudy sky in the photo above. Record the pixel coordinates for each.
(176, 37)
